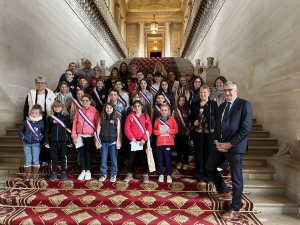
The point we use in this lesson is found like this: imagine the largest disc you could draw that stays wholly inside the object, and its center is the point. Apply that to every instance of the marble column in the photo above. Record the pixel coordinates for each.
(167, 39)
(141, 40)
(117, 16)
(123, 28)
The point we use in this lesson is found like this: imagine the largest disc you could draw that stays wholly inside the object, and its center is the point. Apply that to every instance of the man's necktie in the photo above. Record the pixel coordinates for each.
(226, 110)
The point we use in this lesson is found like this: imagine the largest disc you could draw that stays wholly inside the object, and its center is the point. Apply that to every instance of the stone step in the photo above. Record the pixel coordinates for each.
(3, 178)
(255, 160)
(12, 157)
(259, 134)
(10, 139)
(256, 127)
(262, 141)
(264, 187)
(258, 173)
(18, 124)
(12, 131)
(262, 150)
(272, 219)
(274, 204)
(9, 168)
(254, 121)
(18, 147)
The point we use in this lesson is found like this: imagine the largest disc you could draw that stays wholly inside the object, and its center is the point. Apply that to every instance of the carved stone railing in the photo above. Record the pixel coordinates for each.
(97, 18)
(202, 16)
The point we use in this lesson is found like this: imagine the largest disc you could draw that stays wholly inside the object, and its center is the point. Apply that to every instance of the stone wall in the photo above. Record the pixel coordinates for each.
(256, 44)
(39, 38)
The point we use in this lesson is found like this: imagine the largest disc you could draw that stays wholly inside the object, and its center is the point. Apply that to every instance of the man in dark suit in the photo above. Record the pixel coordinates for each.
(234, 123)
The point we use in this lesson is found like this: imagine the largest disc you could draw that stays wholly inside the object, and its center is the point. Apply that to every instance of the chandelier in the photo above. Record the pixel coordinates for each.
(154, 26)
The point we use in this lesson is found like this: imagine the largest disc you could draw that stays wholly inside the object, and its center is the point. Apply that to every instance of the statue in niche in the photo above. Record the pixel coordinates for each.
(102, 64)
(210, 61)
(197, 62)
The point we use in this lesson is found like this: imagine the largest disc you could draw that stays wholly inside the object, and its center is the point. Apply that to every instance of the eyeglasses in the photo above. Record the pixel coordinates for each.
(85, 100)
(40, 83)
(227, 90)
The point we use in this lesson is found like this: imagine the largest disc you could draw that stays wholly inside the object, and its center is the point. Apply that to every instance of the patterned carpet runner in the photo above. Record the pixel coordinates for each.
(148, 64)
(184, 201)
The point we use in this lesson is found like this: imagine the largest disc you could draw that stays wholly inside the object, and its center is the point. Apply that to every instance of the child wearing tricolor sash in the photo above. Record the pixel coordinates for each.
(83, 133)
(32, 133)
(147, 97)
(181, 115)
(157, 80)
(165, 90)
(57, 138)
(136, 127)
(120, 107)
(165, 127)
(99, 94)
(110, 134)
(160, 99)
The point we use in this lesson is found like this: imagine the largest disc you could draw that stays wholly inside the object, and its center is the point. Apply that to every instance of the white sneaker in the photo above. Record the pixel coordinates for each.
(88, 176)
(161, 178)
(81, 176)
(169, 179)
(179, 165)
(219, 169)
(102, 178)
(113, 178)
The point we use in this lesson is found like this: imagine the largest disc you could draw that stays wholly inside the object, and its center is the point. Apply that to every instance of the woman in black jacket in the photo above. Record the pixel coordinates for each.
(203, 117)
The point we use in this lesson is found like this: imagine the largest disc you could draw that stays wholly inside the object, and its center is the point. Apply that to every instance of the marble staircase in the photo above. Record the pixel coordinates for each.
(267, 194)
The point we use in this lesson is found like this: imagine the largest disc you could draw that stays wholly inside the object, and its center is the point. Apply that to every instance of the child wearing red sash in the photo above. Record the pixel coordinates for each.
(136, 125)
(84, 127)
(165, 127)
(181, 114)
(99, 94)
(57, 138)
(32, 133)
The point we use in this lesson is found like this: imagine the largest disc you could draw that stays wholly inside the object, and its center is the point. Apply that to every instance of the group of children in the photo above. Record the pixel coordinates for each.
(94, 117)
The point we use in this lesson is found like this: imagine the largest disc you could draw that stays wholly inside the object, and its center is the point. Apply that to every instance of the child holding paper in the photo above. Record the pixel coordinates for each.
(165, 127)
(136, 125)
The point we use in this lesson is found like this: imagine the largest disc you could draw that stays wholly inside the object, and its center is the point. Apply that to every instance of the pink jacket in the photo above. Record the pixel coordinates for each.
(119, 138)
(132, 129)
(80, 126)
(166, 140)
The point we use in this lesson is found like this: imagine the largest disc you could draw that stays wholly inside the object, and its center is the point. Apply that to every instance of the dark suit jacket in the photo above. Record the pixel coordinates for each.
(236, 127)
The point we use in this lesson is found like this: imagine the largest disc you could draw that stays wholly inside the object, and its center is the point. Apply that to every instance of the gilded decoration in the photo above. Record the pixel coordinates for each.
(149, 186)
(207, 202)
(81, 217)
(101, 209)
(180, 218)
(88, 199)
(194, 210)
(163, 210)
(58, 199)
(95, 222)
(163, 223)
(192, 194)
(50, 192)
(148, 200)
(67, 184)
(30, 199)
(41, 208)
(121, 185)
(162, 194)
(49, 216)
(178, 201)
(177, 186)
(78, 192)
(114, 217)
(94, 185)
(118, 199)
(106, 193)
(71, 208)
(135, 193)
(132, 209)
(61, 223)
(147, 218)
(23, 214)
(157, 5)
(27, 222)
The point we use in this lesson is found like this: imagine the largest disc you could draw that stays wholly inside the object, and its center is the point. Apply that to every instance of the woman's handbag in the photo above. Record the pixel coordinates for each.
(151, 163)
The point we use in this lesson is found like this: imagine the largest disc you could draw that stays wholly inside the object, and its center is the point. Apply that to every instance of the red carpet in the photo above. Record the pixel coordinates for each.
(185, 201)
(148, 64)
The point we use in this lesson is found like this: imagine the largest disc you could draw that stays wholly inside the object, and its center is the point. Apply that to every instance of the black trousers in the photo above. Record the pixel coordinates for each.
(203, 145)
(58, 150)
(143, 155)
(182, 148)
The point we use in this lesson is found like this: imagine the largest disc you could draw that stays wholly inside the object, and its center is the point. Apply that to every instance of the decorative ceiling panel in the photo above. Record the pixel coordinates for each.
(150, 5)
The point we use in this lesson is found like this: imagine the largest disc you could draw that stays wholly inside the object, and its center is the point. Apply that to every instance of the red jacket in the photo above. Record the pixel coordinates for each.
(132, 129)
(132, 88)
(166, 140)
(80, 126)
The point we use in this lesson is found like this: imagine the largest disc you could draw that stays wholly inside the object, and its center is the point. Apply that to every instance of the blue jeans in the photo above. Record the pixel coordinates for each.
(113, 153)
(164, 156)
(32, 153)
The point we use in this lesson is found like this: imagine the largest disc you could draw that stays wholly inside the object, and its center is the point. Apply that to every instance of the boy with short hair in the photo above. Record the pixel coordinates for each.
(83, 85)
(69, 79)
